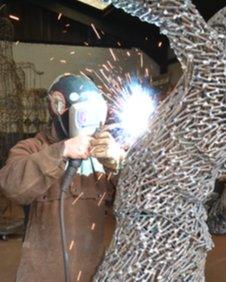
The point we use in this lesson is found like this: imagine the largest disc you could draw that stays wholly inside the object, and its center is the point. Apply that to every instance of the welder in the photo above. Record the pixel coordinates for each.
(33, 175)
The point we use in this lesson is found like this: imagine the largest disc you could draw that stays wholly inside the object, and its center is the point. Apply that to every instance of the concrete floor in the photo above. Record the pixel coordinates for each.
(10, 252)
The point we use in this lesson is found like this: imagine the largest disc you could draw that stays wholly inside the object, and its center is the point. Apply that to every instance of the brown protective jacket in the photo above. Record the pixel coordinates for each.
(32, 175)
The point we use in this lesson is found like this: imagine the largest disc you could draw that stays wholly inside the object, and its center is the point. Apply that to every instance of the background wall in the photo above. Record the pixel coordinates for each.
(54, 60)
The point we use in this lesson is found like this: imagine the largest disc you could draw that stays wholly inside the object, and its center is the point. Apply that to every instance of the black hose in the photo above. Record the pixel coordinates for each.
(69, 173)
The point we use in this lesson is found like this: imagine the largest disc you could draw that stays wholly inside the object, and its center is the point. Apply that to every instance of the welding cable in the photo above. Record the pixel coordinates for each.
(71, 170)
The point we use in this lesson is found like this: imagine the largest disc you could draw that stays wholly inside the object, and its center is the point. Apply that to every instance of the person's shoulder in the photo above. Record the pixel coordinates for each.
(32, 144)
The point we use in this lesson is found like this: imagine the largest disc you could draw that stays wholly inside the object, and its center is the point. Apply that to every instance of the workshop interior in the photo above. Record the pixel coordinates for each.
(104, 71)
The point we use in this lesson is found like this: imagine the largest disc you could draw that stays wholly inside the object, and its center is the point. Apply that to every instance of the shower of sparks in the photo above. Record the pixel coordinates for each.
(79, 275)
(95, 31)
(113, 55)
(13, 17)
(59, 16)
(101, 199)
(76, 200)
(93, 226)
(71, 245)
(130, 103)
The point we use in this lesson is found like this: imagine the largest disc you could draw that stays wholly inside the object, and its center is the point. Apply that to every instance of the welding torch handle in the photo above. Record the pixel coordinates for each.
(75, 163)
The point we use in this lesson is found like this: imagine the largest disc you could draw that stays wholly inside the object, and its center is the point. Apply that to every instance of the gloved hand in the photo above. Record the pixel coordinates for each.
(107, 151)
(77, 147)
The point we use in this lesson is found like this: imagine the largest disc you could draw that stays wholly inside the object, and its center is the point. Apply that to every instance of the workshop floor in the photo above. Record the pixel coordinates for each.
(10, 252)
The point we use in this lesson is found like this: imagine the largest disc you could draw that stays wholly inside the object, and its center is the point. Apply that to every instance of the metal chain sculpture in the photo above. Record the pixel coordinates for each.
(161, 232)
(216, 205)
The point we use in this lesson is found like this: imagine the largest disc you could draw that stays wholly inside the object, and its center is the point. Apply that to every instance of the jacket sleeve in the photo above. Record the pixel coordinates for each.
(31, 169)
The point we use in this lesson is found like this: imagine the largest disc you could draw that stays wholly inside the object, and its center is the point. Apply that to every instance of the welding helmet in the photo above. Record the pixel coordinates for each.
(76, 105)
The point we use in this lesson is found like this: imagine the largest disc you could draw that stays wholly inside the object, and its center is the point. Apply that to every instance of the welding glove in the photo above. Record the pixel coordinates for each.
(107, 151)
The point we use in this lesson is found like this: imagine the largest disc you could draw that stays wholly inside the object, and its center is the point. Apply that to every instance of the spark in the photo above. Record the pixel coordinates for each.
(67, 25)
(93, 226)
(51, 59)
(67, 73)
(59, 16)
(128, 53)
(2, 6)
(71, 245)
(63, 61)
(141, 60)
(109, 176)
(64, 31)
(110, 65)
(13, 17)
(79, 196)
(89, 70)
(72, 52)
(107, 69)
(101, 199)
(17, 42)
(100, 176)
(119, 44)
(95, 30)
(79, 275)
(86, 43)
(104, 75)
(146, 72)
(91, 150)
(113, 55)
(128, 76)
(160, 44)
(82, 73)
